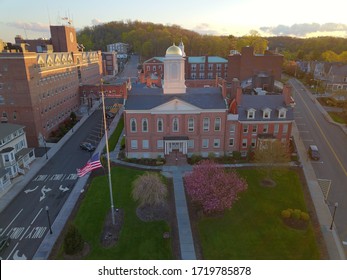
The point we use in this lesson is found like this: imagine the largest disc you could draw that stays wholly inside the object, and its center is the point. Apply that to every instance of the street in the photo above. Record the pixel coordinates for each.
(331, 168)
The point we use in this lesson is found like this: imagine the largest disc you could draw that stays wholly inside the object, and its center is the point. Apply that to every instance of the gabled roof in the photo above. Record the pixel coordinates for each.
(149, 98)
(259, 103)
(8, 128)
(156, 59)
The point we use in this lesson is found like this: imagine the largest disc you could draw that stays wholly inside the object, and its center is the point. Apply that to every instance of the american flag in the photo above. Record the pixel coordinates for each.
(92, 164)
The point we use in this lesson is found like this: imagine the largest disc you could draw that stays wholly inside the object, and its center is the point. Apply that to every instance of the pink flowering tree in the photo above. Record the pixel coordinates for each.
(213, 187)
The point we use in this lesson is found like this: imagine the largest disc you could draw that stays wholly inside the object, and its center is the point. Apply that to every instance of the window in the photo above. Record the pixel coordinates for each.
(245, 128)
(145, 144)
(193, 76)
(193, 67)
(250, 114)
(231, 142)
(201, 67)
(133, 127)
(216, 143)
(190, 124)
(219, 66)
(282, 113)
(266, 113)
(205, 143)
(190, 144)
(160, 144)
(133, 144)
(232, 129)
(265, 128)
(209, 75)
(276, 128)
(144, 125)
(254, 128)
(206, 124)
(254, 142)
(154, 68)
(217, 122)
(201, 75)
(160, 125)
(285, 128)
(210, 67)
(175, 126)
(244, 143)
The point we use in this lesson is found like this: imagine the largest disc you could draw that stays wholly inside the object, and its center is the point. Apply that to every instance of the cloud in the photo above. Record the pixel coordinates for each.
(206, 29)
(29, 26)
(96, 21)
(303, 29)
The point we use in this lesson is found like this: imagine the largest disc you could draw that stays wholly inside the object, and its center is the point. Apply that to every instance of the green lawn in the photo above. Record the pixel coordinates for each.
(253, 228)
(113, 140)
(138, 240)
(337, 117)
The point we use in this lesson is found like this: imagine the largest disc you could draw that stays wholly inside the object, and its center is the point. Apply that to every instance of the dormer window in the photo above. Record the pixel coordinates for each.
(266, 113)
(282, 112)
(250, 113)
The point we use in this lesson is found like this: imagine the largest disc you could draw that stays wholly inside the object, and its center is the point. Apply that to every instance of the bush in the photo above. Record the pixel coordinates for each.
(296, 214)
(237, 155)
(304, 216)
(73, 241)
(286, 214)
(195, 159)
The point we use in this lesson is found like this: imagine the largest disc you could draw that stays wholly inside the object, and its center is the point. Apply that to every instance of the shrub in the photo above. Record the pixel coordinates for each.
(237, 155)
(296, 214)
(73, 241)
(286, 214)
(304, 216)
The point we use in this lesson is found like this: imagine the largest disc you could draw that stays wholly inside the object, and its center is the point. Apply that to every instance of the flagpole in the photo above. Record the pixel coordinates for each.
(107, 151)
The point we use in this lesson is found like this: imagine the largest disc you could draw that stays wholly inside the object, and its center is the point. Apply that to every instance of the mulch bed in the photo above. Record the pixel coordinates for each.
(295, 223)
(111, 232)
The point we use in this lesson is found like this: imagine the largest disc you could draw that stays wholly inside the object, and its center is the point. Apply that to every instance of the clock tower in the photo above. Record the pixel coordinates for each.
(64, 38)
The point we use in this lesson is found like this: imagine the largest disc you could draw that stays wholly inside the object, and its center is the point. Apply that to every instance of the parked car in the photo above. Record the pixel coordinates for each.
(87, 146)
(110, 115)
(4, 243)
(313, 152)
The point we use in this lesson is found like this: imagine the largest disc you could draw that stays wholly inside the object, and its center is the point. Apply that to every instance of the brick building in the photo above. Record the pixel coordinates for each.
(196, 68)
(218, 119)
(266, 67)
(40, 89)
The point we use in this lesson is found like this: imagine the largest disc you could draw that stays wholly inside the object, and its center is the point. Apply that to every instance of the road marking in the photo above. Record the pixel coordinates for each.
(36, 216)
(72, 176)
(43, 191)
(63, 177)
(307, 140)
(56, 177)
(12, 221)
(40, 178)
(323, 135)
(14, 248)
(63, 189)
(17, 257)
(31, 190)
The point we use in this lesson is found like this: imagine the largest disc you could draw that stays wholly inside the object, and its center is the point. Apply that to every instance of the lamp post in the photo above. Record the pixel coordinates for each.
(45, 147)
(49, 220)
(332, 222)
(71, 118)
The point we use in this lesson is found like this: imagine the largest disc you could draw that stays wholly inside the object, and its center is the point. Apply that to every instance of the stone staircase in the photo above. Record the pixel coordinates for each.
(176, 158)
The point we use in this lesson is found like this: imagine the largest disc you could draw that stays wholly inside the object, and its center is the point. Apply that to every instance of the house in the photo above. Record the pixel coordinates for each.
(15, 156)
(336, 78)
(219, 119)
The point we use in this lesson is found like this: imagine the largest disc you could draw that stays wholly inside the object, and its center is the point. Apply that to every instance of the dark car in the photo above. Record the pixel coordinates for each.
(110, 115)
(313, 152)
(4, 243)
(87, 146)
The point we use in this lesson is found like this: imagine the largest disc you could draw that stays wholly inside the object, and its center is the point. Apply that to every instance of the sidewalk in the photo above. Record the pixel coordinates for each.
(331, 238)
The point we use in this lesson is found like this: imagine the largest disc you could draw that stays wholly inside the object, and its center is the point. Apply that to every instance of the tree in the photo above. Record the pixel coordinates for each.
(212, 187)
(254, 40)
(271, 153)
(148, 189)
(73, 241)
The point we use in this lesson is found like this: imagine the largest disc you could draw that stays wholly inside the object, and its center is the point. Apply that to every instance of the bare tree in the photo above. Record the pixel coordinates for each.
(149, 189)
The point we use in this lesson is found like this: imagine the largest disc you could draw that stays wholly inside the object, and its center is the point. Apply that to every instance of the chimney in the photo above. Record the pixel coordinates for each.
(238, 95)
(287, 90)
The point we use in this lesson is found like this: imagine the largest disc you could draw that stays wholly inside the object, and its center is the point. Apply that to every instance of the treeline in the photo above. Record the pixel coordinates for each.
(149, 39)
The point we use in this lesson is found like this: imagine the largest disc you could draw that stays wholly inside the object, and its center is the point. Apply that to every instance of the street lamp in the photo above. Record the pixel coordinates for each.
(71, 118)
(332, 222)
(49, 220)
(45, 147)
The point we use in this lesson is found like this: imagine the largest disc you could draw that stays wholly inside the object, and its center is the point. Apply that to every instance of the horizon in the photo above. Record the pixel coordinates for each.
(229, 17)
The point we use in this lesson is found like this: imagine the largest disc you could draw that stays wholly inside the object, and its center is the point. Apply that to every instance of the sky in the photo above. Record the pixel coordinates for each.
(300, 18)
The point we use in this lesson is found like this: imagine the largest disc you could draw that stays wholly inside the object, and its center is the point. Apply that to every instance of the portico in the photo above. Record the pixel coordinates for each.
(176, 143)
